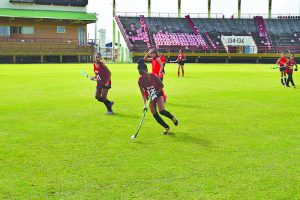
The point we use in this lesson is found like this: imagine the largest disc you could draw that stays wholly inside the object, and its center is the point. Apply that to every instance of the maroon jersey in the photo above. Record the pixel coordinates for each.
(102, 74)
(290, 64)
(156, 68)
(180, 57)
(151, 86)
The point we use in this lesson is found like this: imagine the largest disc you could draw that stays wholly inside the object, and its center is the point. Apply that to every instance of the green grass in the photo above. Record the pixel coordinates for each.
(238, 138)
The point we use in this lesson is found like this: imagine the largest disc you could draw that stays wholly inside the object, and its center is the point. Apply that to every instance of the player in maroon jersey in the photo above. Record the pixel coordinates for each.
(157, 66)
(180, 60)
(289, 70)
(163, 61)
(151, 87)
(103, 78)
(281, 62)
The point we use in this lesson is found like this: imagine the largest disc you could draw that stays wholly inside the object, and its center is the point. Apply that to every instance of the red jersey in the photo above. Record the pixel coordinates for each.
(282, 61)
(152, 85)
(163, 59)
(102, 74)
(156, 68)
(290, 64)
(180, 57)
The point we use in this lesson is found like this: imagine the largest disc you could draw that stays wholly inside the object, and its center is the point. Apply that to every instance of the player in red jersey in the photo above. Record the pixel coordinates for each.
(151, 87)
(289, 70)
(281, 62)
(180, 60)
(103, 78)
(163, 61)
(157, 66)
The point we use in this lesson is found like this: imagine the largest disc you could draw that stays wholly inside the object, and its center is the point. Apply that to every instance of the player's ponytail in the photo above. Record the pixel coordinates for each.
(142, 65)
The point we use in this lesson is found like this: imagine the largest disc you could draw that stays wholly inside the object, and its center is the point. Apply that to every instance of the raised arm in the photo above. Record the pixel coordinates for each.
(147, 55)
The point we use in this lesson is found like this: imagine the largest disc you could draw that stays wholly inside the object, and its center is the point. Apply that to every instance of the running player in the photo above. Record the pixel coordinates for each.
(180, 60)
(281, 62)
(157, 66)
(289, 70)
(163, 61)
(151, 87)
(103, 78)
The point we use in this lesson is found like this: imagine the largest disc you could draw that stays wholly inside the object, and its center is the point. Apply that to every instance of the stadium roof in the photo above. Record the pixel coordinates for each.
(47, 14)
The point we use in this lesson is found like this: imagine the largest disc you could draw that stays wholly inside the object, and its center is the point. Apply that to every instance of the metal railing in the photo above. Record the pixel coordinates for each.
(169, 15)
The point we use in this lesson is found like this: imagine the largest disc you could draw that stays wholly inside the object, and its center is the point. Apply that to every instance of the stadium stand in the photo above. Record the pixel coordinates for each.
(204, 34)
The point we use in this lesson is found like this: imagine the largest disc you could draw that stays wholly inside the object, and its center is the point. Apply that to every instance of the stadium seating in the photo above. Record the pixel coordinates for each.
(204, 34)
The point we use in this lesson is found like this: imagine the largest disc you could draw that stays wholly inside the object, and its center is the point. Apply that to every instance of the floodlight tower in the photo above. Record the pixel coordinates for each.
(239, 8)
(270, 9)
(114, 29)
(149, 8)
(209, 8)
(179, 8)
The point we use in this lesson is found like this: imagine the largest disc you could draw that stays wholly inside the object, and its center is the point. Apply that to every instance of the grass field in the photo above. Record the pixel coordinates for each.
(238, 137)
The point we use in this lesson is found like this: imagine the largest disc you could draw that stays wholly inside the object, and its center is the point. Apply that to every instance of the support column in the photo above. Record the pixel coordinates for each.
(60, 58)
(239, 8)
(270, 9)
(42, 59)
(209, 8)
(149, 8)
(179, 8)
(114, 30)
(119, 46)
(78, 59)
(14, 59)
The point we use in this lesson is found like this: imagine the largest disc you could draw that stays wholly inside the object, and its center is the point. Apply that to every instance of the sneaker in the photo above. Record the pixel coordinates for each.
(287, 86)
(294, 86)
(110, 112)
(175, 121)
(166, 131)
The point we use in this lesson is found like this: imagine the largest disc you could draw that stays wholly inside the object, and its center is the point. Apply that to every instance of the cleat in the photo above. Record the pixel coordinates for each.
(294, 86)
(287, 86)
(110, 112)
(166, 131)
(175, 121)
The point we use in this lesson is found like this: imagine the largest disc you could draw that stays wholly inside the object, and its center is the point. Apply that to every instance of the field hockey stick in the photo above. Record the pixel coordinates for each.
(85, 74)
(141, 122)
(275, 67)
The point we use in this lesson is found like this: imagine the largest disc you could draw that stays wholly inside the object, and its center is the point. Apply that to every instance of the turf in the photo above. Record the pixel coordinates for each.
(238, 136)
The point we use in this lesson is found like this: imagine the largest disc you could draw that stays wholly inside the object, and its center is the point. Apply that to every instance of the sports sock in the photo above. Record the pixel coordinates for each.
(107, 104)
(284, 79)
(281, 80)
(166, 113)
(182, 73)
(178, 73)
(160, 120)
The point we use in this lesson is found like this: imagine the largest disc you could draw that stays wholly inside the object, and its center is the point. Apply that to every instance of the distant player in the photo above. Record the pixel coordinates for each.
(103, 78)
(151, 87)
(163, 61)
(180, 60)
(281, 62)
(289, 70)
(157, 66)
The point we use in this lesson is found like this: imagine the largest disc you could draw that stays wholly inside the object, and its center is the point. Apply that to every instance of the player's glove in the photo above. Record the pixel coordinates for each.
(145, 109)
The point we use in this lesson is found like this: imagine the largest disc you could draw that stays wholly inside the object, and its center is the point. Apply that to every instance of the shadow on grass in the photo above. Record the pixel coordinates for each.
(123, 115)
(186, 138)
(183, 105)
